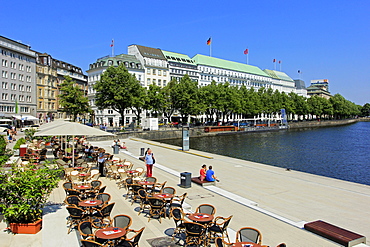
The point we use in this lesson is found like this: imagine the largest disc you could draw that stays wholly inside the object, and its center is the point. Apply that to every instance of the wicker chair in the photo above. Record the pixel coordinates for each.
(219, 226)
(249, 234)
(206, 209)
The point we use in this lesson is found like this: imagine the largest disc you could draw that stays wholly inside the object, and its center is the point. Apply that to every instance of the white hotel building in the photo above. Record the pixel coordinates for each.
(159, 67)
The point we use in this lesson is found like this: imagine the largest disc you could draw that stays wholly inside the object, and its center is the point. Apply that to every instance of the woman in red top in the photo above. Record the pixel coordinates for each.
(202, 172)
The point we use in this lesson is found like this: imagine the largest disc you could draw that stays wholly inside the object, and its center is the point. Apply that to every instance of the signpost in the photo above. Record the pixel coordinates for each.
(185, 138)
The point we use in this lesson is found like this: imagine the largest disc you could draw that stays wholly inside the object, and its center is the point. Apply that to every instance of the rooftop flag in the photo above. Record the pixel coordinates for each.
(209, 41)
(111, 45)
(279, 61)
(246, 51)
(274, 60)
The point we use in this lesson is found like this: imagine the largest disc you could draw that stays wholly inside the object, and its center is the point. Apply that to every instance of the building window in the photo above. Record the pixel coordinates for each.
(148, 71)
(164, 83)
(164, 73)
(4, 96)
(148, 81)
(154, 81)
(159, 72)
(4, 62)
(159, 82)
(4, 85)
(154, 71)
(4, 74)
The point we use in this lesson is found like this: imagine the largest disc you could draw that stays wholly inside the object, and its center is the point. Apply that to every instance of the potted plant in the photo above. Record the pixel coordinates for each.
(23, 194)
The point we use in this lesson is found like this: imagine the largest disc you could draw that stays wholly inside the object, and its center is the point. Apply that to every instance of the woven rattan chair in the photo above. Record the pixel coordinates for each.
(249, 234)
(195, 234)
(157, 208)
(179, 217)
(132, 241)
(206, 209)
(219, 226)
(121, 220)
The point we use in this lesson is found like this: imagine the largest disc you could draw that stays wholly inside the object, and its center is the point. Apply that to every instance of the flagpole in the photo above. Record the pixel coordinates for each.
(210, 49)
(112, 45)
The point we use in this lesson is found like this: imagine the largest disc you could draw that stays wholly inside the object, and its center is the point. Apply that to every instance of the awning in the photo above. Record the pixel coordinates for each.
(25, 117)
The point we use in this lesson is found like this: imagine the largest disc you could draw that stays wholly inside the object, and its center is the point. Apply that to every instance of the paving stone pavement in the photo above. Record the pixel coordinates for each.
(271, 199)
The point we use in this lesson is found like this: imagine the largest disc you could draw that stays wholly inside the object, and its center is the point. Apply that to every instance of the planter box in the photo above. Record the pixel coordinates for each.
(29, 228)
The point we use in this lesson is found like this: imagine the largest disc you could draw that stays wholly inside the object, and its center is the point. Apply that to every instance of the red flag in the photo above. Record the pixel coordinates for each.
(246, 51)
(274, 60)
(111, 45)
(279, 61)
(209, 41)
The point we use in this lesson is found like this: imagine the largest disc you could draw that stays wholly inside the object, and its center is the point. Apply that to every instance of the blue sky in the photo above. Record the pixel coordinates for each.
(323, 39)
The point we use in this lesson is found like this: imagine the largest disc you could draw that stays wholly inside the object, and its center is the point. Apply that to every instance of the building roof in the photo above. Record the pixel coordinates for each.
(225, 64)
(278, 75)
(178, 58)
(130, 61)
(151, 52)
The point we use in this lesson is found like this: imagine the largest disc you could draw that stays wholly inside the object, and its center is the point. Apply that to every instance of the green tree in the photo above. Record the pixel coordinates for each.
(365, 110)
(155, 100)
(186, 97)
(169, 100)
(138, 103)
(117, 89)
(72, 98)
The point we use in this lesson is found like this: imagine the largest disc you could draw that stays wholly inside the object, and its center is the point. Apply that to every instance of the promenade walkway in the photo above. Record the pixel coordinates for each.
(273, 200)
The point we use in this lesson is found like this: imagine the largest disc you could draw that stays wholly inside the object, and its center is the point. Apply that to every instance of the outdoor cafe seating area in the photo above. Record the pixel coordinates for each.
(90, 209)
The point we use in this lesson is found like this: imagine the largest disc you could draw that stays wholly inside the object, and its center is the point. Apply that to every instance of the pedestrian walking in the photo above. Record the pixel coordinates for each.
(149, 162)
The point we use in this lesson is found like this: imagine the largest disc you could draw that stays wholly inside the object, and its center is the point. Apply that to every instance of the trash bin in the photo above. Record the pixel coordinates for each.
(115, 149)
(142, 151)
(185, 179)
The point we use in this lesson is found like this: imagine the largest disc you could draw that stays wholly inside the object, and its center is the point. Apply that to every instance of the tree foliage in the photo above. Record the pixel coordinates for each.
(118, 90)
(72, 98)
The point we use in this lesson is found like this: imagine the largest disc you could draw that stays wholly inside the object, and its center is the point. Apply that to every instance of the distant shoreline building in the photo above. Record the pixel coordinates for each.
(320, 88)
(133, 65)
(30, 83)
(159, 67)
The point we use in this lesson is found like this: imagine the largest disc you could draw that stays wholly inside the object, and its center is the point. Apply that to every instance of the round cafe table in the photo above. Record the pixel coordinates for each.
(110, 233)
(83, 176)
(90, 204)
(82, 187)
(145, 183)
(246, 244)
(163, 195)
(201, 218)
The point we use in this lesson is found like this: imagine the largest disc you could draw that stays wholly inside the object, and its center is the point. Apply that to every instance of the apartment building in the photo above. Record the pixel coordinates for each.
(18, 80)
(47, 87)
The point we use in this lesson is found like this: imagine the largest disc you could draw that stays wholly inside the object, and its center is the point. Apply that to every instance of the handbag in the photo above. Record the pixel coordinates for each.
(153, 159)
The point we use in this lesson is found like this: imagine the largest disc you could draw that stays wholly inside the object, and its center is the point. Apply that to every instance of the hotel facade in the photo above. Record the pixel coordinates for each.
(159, 67)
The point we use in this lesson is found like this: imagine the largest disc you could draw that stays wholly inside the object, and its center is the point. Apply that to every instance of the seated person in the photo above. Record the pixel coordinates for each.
(202, 173)
(210, 175)
(123, 145)
(114, 143)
